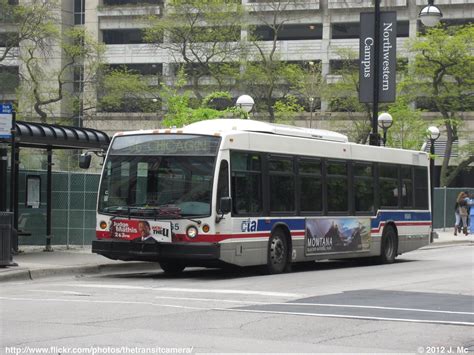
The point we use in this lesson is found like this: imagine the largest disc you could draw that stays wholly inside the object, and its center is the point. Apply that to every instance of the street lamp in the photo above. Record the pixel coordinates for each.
(385, 121)
(311, 106)
(245, 102)
(430, 15)
(433, 135)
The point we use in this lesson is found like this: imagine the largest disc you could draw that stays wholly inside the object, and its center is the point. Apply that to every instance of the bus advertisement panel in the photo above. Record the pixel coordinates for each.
(329, 235)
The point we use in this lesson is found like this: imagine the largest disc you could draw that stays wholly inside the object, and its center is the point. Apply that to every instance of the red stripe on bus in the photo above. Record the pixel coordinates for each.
(402, 224)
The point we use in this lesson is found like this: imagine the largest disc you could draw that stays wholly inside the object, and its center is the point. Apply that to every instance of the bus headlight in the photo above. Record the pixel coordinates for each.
(192, 232)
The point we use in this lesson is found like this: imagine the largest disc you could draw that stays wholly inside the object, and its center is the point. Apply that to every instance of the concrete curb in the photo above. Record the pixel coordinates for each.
(39, 273)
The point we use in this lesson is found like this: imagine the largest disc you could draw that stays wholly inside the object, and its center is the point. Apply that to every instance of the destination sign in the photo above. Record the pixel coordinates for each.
(169, 144)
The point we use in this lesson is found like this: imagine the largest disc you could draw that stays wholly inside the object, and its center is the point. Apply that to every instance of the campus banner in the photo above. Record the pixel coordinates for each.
(387, 62)
(337, 234)
(129, 229)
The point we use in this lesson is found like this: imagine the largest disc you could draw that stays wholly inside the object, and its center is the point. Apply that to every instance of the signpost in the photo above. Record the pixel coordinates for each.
(6, 123)
(6, 118)
(378, 43)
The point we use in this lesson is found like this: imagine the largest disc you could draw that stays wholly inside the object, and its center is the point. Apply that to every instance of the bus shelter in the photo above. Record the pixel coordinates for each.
(49, 137)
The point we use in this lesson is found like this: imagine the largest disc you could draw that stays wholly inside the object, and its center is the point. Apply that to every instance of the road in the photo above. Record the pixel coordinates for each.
(423, 303)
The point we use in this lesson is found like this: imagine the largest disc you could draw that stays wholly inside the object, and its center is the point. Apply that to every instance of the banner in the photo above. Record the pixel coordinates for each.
(387, 63)
(339, 234)
(129, 229)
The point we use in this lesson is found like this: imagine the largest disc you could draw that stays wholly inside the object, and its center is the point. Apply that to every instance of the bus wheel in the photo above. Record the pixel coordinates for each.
(172, 267)
(389, 246)
(277, 252)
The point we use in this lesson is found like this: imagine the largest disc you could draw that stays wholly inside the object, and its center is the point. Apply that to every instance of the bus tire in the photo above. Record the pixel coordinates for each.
(172, 267)
(277, 258)
(388, 249)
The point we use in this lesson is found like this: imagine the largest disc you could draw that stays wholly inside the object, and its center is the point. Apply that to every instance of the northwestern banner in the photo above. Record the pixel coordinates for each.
(387, 56)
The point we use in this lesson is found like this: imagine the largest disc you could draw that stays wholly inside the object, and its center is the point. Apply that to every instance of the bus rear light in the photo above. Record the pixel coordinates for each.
(192, 232)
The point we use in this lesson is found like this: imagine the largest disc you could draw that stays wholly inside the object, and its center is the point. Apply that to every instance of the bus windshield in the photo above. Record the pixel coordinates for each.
(159, 176)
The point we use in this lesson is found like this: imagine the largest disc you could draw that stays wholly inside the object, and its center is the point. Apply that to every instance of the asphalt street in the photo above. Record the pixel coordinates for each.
(421, 304)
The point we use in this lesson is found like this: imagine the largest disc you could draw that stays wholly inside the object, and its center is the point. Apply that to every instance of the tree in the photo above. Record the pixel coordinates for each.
(266, 77)
(123, 90)
(409, 129)
(443, 73)
(202, 35)
(343, 95)
(26, 22)
(44, 85)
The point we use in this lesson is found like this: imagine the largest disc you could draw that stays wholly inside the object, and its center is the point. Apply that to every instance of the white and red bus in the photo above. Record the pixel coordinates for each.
(243, 192)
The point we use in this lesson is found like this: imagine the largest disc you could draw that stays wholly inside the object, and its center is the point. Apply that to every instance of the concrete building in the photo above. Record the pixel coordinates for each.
(314, 31)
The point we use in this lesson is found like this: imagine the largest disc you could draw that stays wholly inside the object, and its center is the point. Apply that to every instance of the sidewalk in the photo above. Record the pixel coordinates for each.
(33, 263)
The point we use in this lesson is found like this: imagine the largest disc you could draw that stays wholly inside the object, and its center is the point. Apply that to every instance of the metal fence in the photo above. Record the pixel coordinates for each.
(444, 201)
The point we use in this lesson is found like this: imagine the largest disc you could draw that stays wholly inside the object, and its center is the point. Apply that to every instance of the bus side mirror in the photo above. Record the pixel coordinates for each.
(226, 205)
(85, 161)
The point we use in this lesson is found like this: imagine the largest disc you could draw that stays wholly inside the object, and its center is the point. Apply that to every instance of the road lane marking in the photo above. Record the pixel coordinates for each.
(189, 290)
(323, 315)
(329, 305)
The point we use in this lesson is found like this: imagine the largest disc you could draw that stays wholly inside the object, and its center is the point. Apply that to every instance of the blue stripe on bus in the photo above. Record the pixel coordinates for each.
(266, 224)
(400, 216)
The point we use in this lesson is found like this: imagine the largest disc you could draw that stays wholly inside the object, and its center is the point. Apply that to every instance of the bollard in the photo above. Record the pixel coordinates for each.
(6, 232)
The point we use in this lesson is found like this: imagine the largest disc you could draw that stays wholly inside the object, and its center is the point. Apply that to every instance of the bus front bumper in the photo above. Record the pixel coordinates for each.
(190, 253)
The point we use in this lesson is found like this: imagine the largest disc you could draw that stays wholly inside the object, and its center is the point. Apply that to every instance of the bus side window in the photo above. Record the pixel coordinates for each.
(246, 170)
(421, 188)
(223, 183)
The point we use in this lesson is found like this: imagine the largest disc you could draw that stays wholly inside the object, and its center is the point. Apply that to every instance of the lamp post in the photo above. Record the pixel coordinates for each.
(245, 102)
(385, 121)
(311, 106)
(430, 15)
(433, 135)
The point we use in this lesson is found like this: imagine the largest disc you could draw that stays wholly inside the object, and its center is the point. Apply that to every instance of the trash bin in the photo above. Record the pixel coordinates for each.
(6, 219)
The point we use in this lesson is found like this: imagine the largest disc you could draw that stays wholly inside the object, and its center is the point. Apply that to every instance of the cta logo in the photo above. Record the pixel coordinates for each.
(248, 226)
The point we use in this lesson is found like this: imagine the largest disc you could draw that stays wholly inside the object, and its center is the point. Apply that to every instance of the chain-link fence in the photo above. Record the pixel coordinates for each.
(73, 201)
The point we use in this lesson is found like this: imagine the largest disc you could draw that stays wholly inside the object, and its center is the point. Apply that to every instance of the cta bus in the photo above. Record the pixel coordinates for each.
(244, 192)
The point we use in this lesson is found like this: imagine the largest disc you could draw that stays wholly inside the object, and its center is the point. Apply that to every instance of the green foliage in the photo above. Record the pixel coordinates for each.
(122, 87)
(204, 35)
(343, 96)
(409, 129)
(287, 109)
(443, 72)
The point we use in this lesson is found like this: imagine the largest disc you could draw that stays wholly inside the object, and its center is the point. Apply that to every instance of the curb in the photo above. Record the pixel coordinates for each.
(34, 274)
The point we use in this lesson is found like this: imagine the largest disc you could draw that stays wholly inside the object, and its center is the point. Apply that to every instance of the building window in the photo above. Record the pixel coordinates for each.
(142, 69)
(347, 30)
(78, 78)
(79, 11)
(134, 36)
(132, 2)
(9, 79)
(290, 32)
